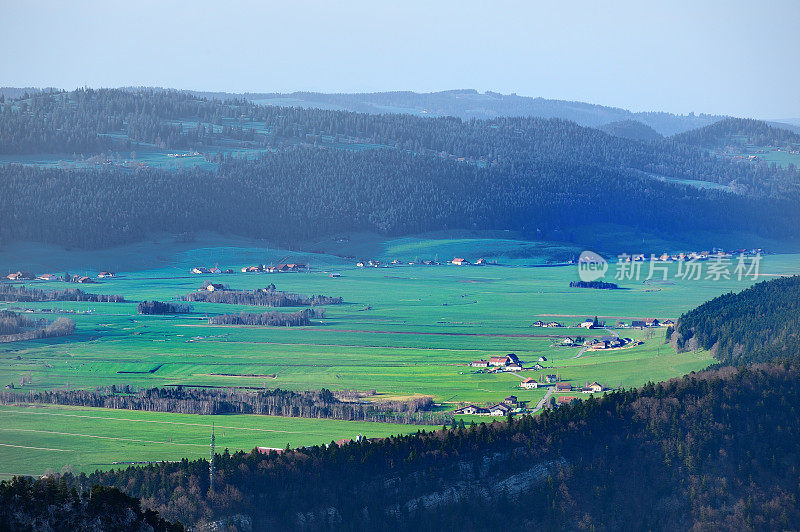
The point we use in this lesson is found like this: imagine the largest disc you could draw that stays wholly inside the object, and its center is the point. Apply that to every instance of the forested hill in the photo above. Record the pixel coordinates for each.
(288, 173)
(738, 133)
(631, 129)
(468, 104)
(758, 324)
(710, 451)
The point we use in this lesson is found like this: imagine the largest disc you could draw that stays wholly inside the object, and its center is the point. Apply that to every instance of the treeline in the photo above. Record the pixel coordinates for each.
(601, 285)
(268, 319)
(759, 324)
(159, 307)
(322, 404)
(12, 323)
(686, 454)
(13, 327)
(29, 295)
(51, 504)
(739, 132)
(267, 297)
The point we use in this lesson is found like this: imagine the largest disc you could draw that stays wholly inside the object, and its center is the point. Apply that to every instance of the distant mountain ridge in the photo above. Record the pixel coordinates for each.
(469, 103)
(462, 103)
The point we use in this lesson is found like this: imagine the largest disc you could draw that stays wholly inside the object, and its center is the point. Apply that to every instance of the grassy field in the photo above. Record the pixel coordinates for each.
(402, 331)
(34, 438)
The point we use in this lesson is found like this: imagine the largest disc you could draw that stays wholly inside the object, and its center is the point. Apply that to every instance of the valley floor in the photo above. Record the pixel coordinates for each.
(402, 331)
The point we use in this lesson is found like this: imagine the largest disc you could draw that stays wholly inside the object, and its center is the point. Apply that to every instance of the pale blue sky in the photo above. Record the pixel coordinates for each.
(727, 57)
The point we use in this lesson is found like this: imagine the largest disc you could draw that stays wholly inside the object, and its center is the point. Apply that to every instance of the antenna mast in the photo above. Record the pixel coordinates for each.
(211, 462)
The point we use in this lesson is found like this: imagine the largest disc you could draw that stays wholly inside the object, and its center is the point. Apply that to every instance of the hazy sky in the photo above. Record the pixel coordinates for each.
(727, 57)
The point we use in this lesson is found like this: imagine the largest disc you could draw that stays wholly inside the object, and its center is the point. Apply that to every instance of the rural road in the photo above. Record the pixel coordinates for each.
(584, 348)
(544, 400)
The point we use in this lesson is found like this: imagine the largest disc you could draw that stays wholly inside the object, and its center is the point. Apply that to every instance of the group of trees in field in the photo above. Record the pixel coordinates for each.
(685, 454)
(267, 297)
(542, 177)
(15, 327)
(322, 404)
(268, 319)
(600, 285)
(52, 504)
(159, 307)
(760, 323)
(22, 294)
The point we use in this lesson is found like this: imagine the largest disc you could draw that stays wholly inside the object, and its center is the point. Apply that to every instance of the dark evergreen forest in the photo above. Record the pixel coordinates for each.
(758, 324)
(313, 172)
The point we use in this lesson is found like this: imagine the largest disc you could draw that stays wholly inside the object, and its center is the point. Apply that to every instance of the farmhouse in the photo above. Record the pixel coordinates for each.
(529, 384)
(513, 367)
(510, 400)
(551, 378)
(543, 359)
(106, 275)
(471, 410)
(553, 324)
(211, 287)
(82, 279)
(587, 324)
(499, 361)
(15, 276)
(566, 399)
(499, 409)
(513, 358)
(651, 322)
(48, 277)
(668, 322)
(267, 450)
(538, 367)
(537, 323)
(595, 387)
(460, 262)
(480, 262)
(563, 387)
(479, 363)
(199, 269)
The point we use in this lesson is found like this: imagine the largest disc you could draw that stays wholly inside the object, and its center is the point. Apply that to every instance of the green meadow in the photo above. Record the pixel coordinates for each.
(402, 331)
(34, 438)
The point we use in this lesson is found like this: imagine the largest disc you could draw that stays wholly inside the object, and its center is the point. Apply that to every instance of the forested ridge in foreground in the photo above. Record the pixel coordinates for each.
(758, 324)
(690, 452)
(310, 172)
(49, 504)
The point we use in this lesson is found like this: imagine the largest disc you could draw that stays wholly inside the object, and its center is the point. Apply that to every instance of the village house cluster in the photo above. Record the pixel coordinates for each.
(279, 268)
(509, 362)
(509, 404)
(457, 261)
(82, 279)
(715, 253)
(560, 386)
